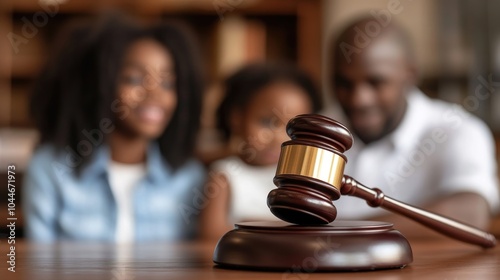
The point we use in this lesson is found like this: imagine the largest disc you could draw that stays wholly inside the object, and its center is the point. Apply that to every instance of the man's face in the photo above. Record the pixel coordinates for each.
(372, 88)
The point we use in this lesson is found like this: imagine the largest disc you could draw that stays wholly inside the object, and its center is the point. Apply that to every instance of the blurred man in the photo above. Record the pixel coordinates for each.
(421, 151)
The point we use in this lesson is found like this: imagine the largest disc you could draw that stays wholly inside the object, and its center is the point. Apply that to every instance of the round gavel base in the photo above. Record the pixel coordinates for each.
(338, 246)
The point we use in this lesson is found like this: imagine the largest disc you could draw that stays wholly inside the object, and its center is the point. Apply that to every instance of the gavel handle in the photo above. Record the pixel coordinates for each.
(452, 228)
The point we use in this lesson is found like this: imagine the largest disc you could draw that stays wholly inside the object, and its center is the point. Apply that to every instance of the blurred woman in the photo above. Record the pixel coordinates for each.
(118, 110)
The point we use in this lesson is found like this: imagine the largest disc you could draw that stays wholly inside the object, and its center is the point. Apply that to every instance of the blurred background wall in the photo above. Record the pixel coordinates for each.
(229, 33)
(457, 45)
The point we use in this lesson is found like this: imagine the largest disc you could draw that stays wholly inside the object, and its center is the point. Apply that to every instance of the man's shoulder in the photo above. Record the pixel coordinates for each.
(451, 117)
(441, 122)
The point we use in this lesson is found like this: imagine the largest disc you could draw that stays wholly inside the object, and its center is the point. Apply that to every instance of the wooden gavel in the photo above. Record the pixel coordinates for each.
(310, 176)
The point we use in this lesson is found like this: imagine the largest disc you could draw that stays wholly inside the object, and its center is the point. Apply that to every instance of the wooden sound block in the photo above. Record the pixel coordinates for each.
(340, 245)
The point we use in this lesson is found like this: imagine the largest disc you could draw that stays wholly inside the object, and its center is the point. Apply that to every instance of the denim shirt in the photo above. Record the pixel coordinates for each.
(58, 204)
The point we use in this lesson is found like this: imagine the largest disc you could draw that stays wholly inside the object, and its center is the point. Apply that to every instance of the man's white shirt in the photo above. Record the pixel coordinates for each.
(438, 149)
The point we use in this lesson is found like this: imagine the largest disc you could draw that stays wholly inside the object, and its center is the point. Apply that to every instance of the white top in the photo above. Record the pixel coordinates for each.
(438, 149)
(249, 186)
(122, 180)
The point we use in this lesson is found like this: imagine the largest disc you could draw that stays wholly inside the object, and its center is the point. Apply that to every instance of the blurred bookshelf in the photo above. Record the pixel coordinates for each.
(469, 57)
(230, 33)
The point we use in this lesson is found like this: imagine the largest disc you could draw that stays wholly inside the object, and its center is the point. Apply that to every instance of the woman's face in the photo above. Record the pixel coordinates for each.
(146, 88)
(262, 123)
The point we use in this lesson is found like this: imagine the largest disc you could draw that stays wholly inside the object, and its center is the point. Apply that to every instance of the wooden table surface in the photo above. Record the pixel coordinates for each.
(432, 260)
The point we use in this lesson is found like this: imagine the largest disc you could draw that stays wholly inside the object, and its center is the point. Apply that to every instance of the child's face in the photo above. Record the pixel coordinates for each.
(146, 87)
(262, 124)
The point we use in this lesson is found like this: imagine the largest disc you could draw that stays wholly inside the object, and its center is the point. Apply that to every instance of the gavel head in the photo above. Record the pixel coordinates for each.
(310, 170)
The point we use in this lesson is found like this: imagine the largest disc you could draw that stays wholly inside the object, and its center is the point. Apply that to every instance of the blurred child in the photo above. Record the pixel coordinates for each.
(118, 111)
(259, 101)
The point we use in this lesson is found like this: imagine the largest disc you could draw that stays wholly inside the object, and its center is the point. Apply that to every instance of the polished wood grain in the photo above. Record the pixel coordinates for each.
(306, 196)
(432, 260)
(338, 246)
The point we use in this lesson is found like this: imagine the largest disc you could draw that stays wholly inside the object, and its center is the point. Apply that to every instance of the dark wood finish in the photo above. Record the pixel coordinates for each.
(341, 245)
(291, 201)
(432, 260)
(301, 191)
(319, 131)
(452, 228)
